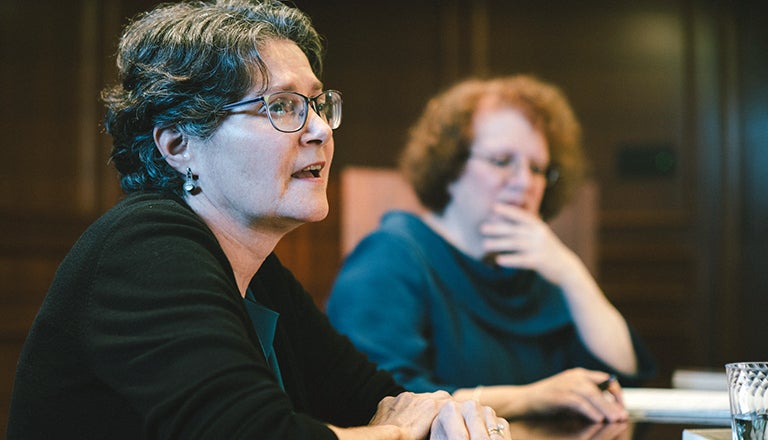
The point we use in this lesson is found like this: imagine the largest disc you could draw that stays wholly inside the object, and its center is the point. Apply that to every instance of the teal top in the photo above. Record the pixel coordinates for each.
(265, 324)
(439, 319)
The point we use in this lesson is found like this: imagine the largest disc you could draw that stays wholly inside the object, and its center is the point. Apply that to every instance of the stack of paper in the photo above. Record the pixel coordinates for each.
(700, 379)
(707, 434)
(704, 407)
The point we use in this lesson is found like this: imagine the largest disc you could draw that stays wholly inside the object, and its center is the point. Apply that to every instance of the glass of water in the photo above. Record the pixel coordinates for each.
(748, 392)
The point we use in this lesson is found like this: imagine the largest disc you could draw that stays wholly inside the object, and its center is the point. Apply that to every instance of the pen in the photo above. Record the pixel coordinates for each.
(606, 383)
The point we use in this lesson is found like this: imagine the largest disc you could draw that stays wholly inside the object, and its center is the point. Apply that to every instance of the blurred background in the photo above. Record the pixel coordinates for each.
(672, 95)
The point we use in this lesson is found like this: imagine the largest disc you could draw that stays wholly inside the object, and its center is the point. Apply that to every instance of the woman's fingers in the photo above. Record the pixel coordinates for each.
(411, 412)
(578, 390)
(496, 427)
(604, 401)
(469, 420)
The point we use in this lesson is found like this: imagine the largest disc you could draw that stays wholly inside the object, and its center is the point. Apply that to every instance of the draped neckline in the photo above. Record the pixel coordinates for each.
(506, 299)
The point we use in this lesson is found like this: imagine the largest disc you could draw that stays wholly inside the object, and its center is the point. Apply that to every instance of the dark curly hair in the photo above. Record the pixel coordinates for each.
(179, 64)
(439, 143)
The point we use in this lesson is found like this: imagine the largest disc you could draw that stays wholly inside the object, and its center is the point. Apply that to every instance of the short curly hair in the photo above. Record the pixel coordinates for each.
(439, 143)
(179, 64)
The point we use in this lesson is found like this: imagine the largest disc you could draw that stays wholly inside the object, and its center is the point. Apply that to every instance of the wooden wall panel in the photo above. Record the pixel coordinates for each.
(622, 67)
(747, 318)
(387, 58)
(40, 106)
(54, 178)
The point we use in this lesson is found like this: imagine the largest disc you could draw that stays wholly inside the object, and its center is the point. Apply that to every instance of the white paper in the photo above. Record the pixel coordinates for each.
(699, 406)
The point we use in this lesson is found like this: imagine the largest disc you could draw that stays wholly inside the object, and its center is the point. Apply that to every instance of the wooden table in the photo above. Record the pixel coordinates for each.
(570, 428)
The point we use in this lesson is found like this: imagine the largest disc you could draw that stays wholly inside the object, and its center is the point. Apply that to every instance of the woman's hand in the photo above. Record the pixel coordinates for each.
(439, 416)
(522, 240)
(412, 413)
(469, 420)
(577, 390)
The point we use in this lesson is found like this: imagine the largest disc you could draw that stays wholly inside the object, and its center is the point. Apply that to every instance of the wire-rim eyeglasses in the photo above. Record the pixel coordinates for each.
(288, 111)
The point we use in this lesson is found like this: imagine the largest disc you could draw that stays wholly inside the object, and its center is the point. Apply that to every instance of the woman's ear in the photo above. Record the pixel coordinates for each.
(173, 147)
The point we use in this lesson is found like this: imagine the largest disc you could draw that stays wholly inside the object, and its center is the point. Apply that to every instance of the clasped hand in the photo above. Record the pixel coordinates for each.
(439, 416)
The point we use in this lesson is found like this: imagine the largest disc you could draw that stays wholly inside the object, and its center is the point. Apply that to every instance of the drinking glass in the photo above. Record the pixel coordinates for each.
(748, 393)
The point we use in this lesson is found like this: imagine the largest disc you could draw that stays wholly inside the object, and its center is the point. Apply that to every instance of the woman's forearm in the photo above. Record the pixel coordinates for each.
(507, 400)
(599, 324)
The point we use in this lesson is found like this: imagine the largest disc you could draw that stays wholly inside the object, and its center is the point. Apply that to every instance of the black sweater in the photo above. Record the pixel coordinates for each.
(144, 334)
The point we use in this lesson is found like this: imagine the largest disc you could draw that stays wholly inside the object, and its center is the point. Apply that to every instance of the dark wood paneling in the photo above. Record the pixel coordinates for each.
(648, 270)
(387, 58)
(38, 115)
(749, 315)
(54, 177)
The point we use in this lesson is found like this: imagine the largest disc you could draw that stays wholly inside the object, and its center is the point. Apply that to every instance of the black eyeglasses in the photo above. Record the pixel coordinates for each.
(287, 111)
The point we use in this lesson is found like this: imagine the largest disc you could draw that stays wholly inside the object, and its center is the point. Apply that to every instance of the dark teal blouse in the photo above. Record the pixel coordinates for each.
(265, 324)
(438, 319)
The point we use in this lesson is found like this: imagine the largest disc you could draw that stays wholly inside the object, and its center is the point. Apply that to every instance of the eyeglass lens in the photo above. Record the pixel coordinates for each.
(288, 111)
(513, 165)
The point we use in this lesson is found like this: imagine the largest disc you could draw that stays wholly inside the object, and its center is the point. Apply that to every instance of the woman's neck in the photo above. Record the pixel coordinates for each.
(456, 233)
(246, 253)
(246, 246)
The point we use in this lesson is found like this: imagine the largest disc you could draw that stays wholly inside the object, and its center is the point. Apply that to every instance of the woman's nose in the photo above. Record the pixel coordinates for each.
(520, 174)
(318, 131)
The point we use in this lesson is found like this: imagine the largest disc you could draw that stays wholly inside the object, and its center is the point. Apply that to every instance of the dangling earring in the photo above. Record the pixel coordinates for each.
(189, 181)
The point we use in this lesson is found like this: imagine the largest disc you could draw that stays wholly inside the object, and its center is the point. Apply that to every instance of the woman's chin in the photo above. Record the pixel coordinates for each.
(317, 214)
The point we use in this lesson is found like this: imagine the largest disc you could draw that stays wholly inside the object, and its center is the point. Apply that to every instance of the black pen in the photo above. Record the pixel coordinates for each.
(606, 383)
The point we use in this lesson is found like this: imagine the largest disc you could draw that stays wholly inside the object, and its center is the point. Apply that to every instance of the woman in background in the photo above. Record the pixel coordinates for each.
(478, 296)
(171, 317)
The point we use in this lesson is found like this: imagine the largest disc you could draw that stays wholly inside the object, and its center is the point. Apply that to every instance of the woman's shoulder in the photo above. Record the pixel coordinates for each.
(148, 205)
(402, 222)
(402, 248)
(398, 237)
(141, 222)
(402, 228)
(143, 211)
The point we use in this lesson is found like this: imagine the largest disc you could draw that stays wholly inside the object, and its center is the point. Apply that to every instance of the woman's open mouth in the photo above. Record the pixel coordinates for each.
(309, 172)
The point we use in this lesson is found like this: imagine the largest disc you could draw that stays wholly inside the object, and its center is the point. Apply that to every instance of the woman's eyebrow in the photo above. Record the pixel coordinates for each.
(291, 87)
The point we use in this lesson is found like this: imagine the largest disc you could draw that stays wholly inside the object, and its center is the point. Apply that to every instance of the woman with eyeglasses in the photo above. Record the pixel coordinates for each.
(171, 317)
(477, 296)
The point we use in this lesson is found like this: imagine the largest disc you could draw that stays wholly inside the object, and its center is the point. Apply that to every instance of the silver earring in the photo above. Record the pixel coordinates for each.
(189, 181)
